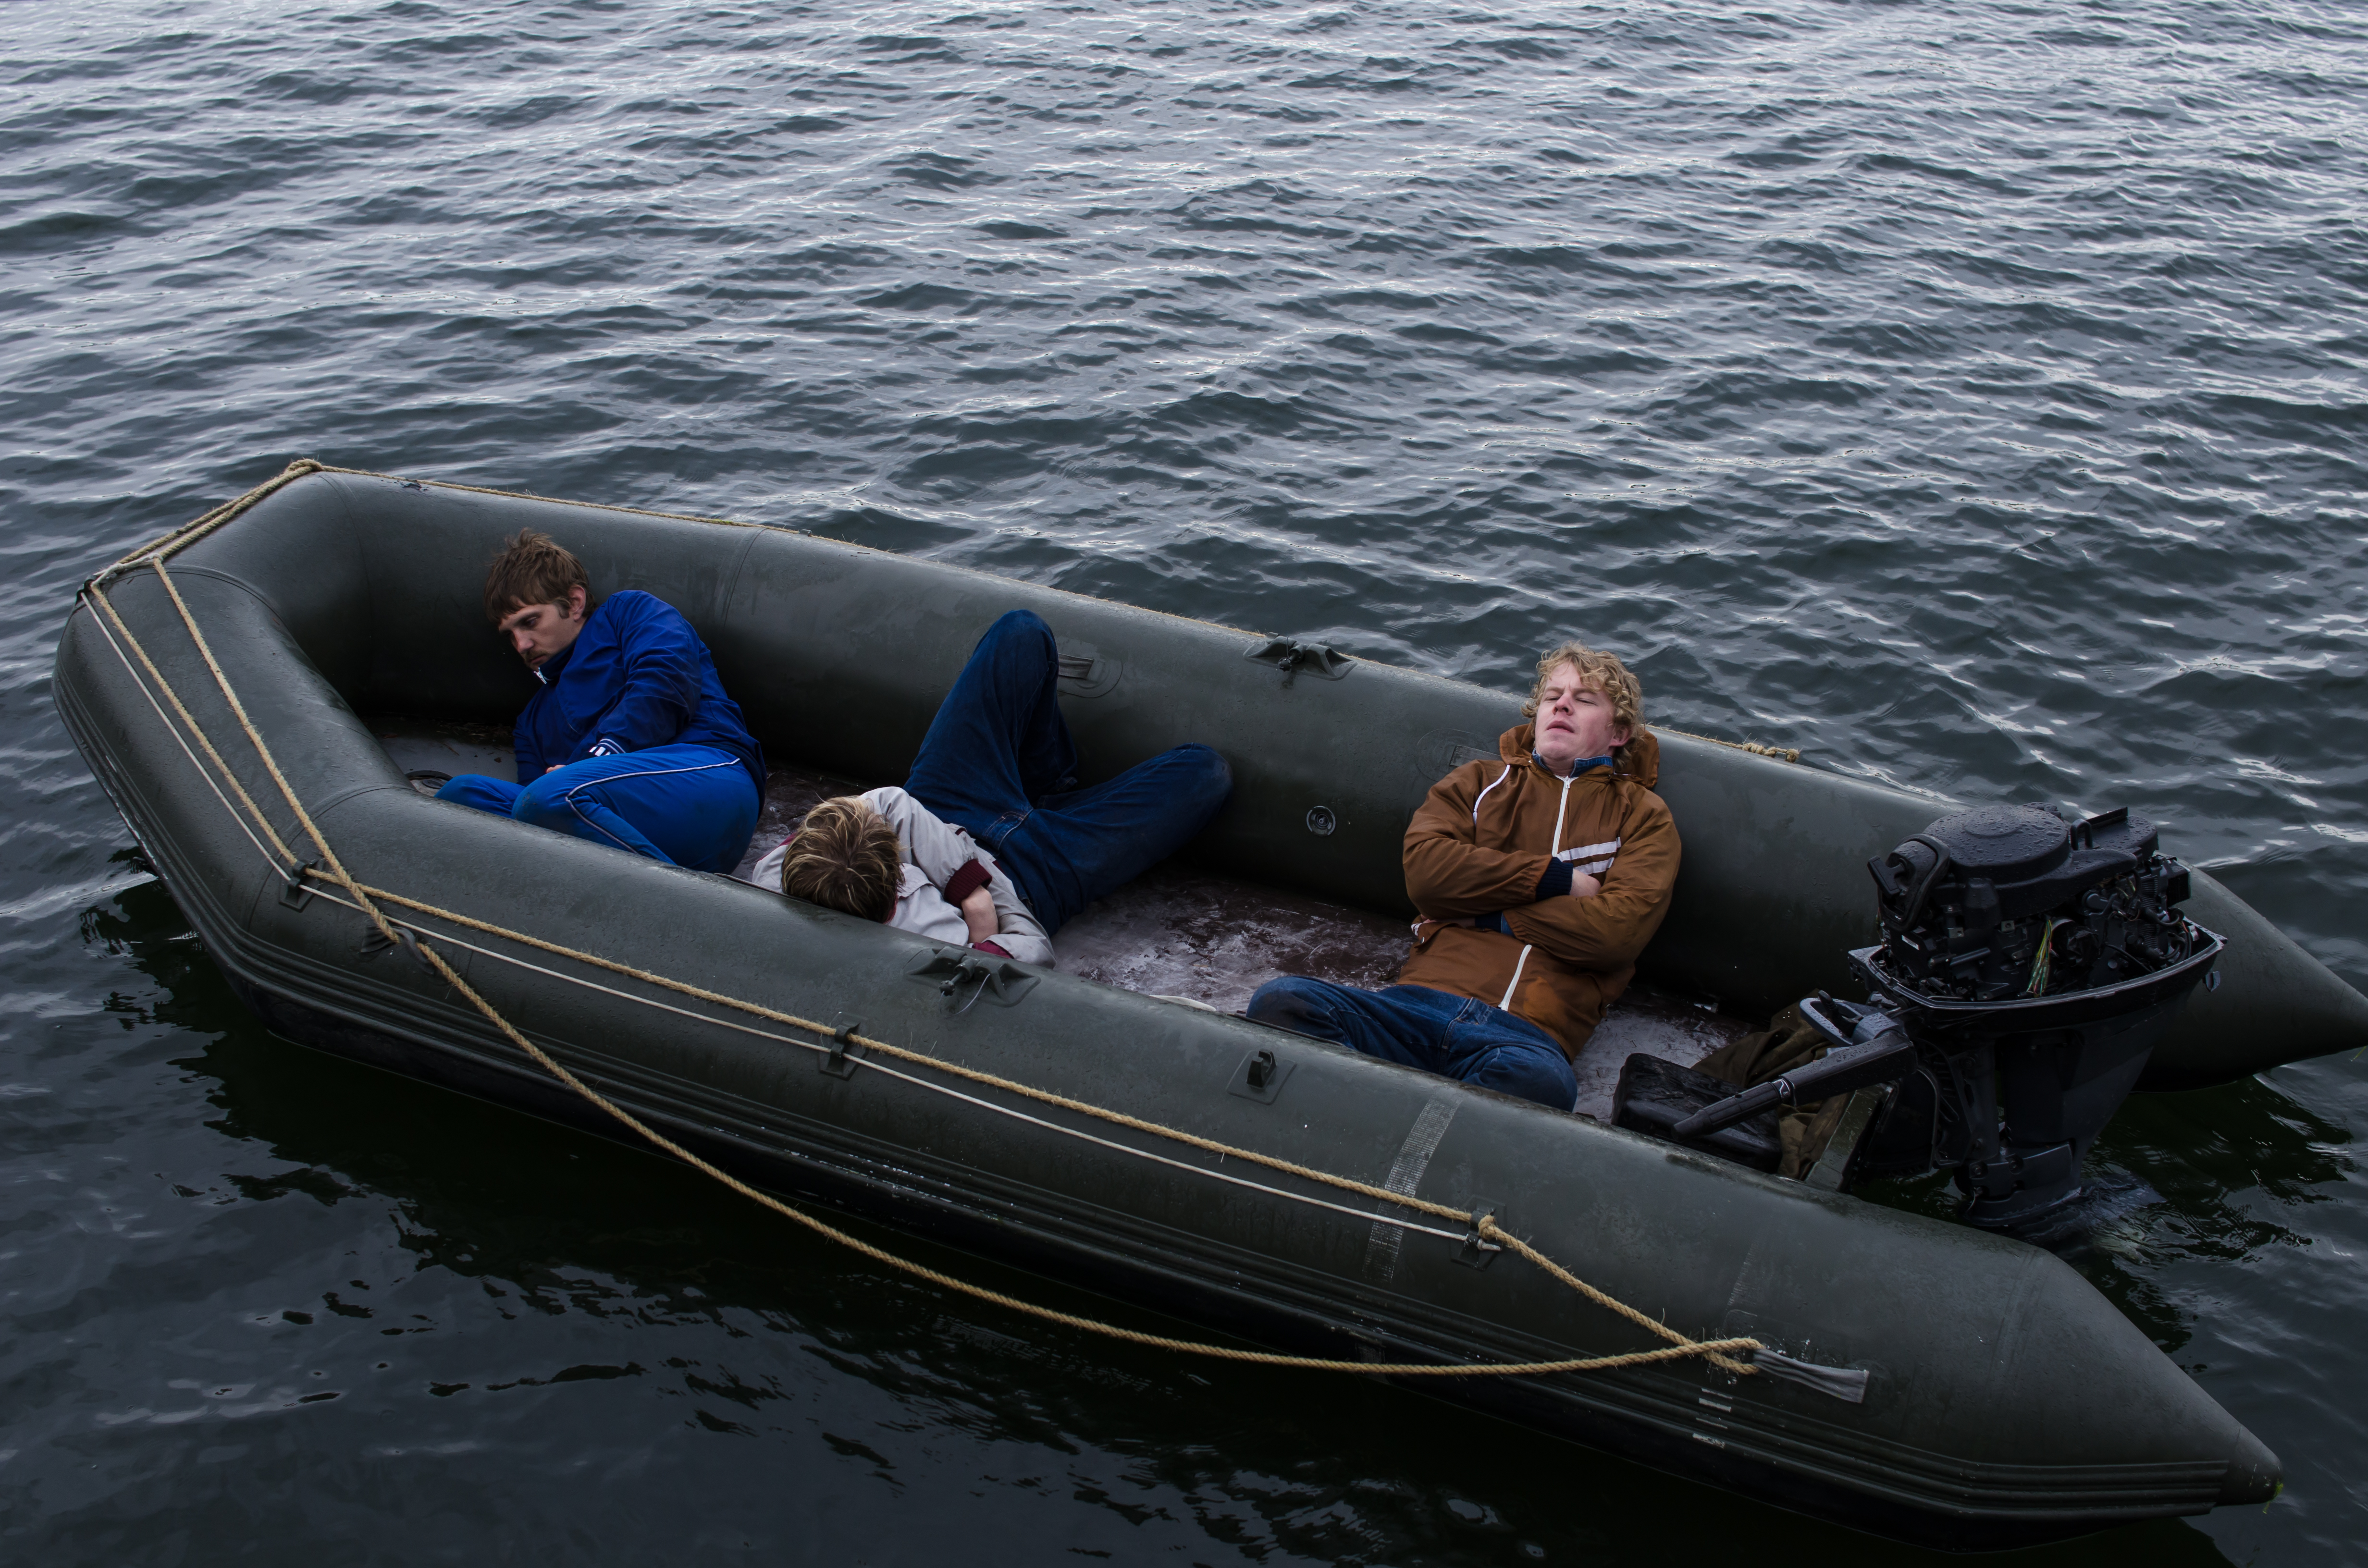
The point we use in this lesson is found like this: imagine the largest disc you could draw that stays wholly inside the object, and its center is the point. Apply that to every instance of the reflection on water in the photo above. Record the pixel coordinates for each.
(2174, 1178)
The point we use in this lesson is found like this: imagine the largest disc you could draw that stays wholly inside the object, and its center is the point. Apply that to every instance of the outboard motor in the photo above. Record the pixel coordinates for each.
(2029, 966)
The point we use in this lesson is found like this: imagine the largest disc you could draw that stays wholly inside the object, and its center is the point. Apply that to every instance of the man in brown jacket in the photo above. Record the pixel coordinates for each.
(1539, 877)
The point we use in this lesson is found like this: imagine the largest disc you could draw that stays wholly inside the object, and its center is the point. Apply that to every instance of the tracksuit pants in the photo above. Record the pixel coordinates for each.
(687, 805)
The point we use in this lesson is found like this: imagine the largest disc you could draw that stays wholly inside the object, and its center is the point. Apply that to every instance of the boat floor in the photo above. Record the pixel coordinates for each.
(1176, 932)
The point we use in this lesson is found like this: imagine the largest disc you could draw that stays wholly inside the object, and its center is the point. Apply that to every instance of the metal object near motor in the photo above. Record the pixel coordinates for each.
(2010, 1095)
(2006, 902)
(2029, 967)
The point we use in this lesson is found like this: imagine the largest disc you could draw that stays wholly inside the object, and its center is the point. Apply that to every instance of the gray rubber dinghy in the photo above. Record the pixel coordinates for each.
(256, 692)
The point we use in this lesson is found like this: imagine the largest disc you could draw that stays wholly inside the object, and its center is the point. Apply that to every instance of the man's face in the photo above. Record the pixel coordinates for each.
(544, 632)
(1574, 720)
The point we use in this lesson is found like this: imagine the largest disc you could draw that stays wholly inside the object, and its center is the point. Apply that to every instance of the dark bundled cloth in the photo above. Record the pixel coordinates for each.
(1787, 1042)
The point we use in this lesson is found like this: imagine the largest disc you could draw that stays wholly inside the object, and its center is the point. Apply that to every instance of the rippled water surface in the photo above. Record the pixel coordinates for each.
(1972, 395)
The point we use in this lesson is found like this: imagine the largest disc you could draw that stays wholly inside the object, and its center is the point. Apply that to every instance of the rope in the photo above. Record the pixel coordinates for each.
(197, 528)
(367, 899)
(1488, 1230)
(875, 1064)
(1782, 754)
(173, 697)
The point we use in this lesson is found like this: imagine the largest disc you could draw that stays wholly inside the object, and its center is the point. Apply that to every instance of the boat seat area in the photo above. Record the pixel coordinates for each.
(1177, 932)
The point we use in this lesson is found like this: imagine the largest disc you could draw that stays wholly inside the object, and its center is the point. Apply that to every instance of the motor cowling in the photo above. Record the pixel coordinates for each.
(2028, 966)
(2005, 901)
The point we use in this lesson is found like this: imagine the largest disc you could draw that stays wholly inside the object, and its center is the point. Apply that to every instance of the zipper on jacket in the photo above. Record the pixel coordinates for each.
(1505, 1003)
(1484, 794)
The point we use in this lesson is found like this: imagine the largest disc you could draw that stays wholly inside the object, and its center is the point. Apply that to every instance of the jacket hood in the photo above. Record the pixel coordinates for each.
(1640, 759)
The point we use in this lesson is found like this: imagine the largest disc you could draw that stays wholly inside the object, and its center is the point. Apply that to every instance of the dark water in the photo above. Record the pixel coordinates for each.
(1972, 395)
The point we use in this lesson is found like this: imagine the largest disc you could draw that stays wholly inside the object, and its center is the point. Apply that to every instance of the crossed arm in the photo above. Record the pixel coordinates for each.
(1602, 924)
(948, 858)
(978, 913)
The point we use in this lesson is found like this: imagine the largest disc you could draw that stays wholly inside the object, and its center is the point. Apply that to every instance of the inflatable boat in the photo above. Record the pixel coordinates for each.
(256, 692)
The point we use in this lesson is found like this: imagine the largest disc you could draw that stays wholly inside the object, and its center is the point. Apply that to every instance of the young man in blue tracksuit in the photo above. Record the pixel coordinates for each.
(630, 740)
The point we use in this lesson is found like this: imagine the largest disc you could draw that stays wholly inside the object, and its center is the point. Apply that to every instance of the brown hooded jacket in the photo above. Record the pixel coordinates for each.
(1478, 847)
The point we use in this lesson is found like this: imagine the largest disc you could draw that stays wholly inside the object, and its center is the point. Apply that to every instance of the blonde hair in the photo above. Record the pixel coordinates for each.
(846, 858)
(1599, 669)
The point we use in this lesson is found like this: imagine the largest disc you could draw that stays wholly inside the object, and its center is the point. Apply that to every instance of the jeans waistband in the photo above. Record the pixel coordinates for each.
(1475, 1010)
(1003, 827)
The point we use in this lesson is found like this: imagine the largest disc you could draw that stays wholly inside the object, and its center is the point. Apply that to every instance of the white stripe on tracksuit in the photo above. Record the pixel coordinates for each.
(613, 778)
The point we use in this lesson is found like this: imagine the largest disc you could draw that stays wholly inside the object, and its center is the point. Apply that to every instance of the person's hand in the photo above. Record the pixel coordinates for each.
(978, 913)
(1584, 886)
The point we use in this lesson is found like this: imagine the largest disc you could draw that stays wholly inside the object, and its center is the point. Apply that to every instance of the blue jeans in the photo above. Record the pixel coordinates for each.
(999, 762)
(1455, 1036)
(691, 806)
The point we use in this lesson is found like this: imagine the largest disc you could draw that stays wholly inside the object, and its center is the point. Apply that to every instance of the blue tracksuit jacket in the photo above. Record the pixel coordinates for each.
(637, 676)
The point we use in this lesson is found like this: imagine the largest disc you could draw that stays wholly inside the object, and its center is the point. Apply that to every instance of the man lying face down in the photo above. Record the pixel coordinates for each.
(1539, 878)
(629, 739)
(881, 856)
(995, 787)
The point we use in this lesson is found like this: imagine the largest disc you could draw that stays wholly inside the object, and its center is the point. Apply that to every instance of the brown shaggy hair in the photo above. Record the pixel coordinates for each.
(533, 569)
(1599, 669)
(846, 858)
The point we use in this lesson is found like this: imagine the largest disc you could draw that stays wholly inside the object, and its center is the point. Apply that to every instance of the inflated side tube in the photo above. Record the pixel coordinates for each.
(1940, 1386)
(839, 654)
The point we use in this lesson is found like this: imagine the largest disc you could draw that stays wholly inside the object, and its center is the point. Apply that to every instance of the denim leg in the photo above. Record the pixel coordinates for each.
(1077, 847)
(1500, 1051)
(483, 791)
(1414, 1026)
(999, 741)
(1406, 1024)
(687, 805)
